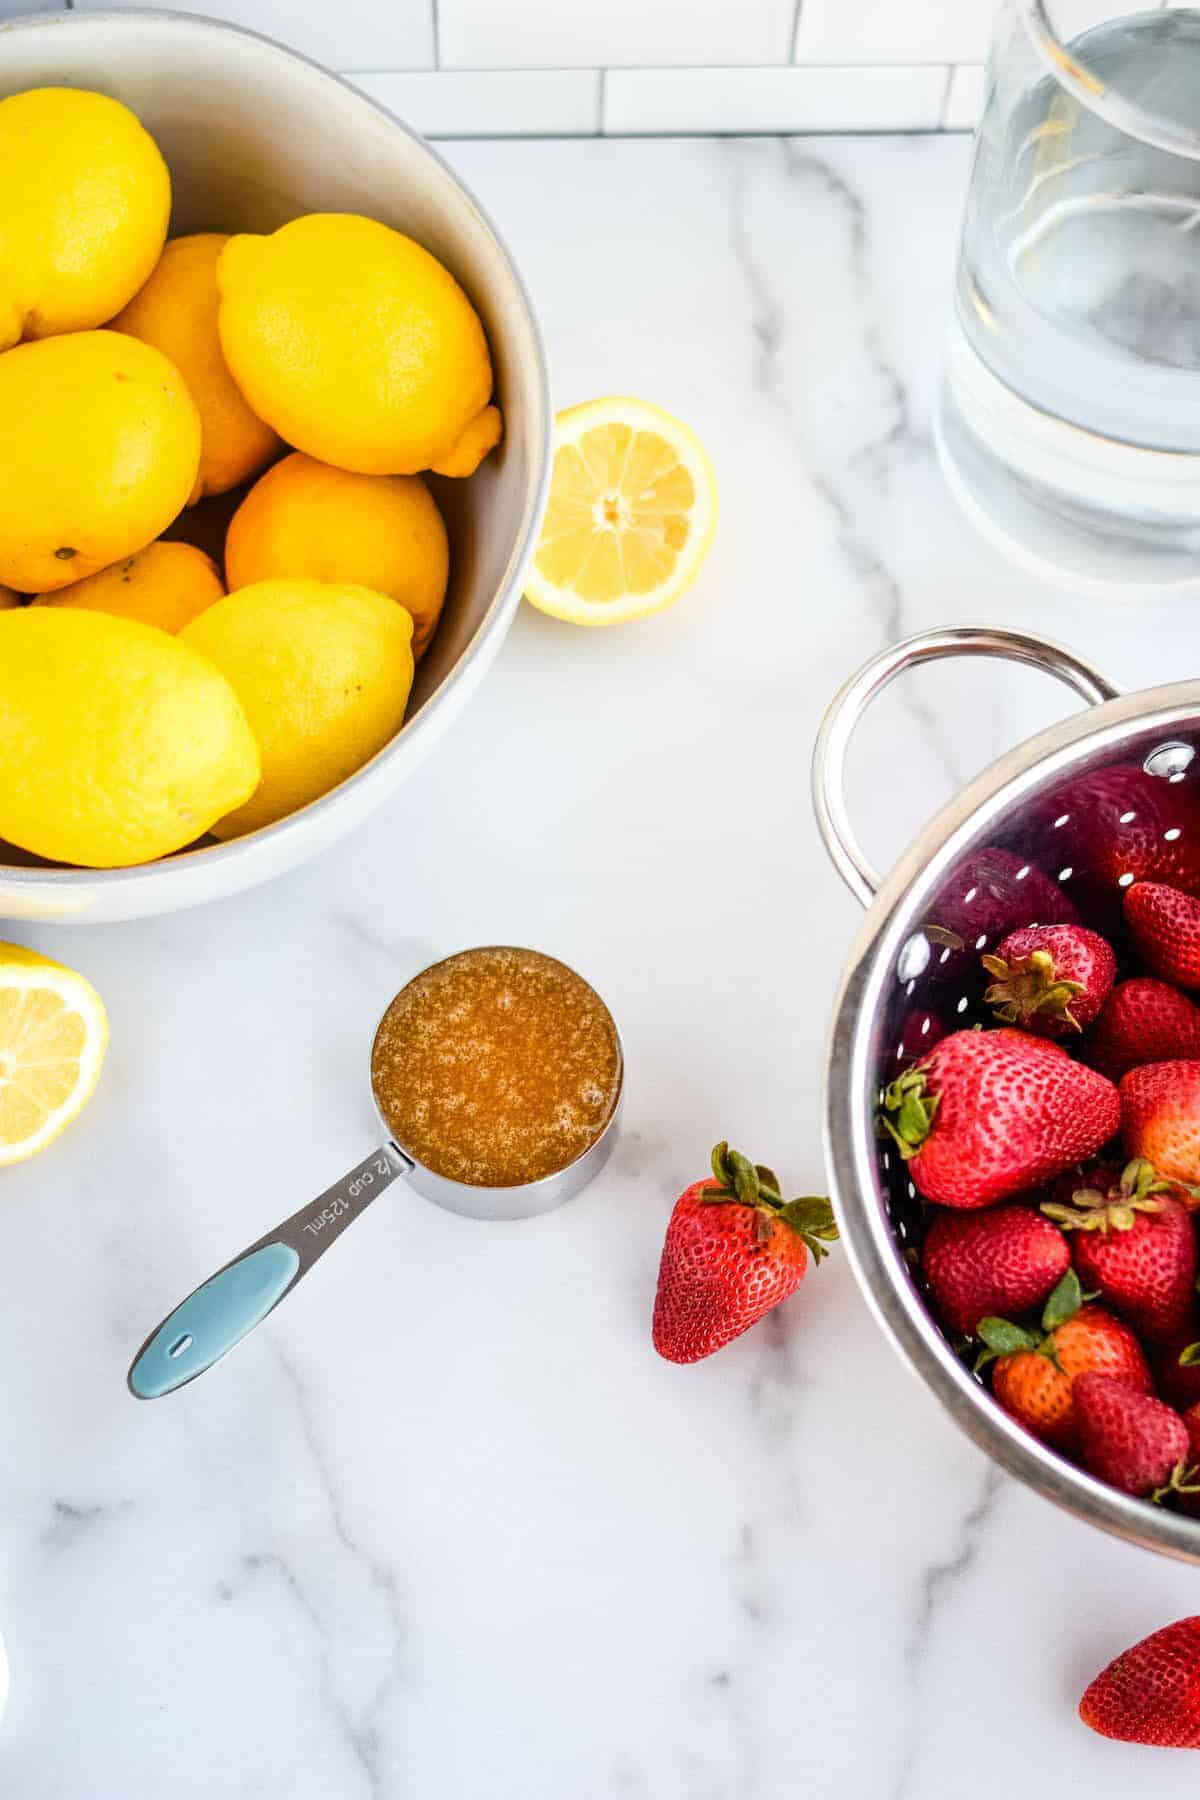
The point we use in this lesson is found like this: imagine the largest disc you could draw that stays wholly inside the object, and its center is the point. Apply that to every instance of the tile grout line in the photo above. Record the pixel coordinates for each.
(946, 93)
(796, 16)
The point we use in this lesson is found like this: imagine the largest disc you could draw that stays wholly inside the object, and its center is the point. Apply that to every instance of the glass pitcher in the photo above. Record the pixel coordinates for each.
(1069, 416)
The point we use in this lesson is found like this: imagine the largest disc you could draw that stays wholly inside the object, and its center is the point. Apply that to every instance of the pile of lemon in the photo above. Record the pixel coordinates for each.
(329, 364)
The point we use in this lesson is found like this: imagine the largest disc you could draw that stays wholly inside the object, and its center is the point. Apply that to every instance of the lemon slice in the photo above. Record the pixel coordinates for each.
(53, 1035)
(632, 510)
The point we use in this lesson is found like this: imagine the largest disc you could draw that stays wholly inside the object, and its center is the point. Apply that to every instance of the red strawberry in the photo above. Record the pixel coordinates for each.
(1034, 1376)
(1143, 1021)
(1134, 1243)
(990, 1113)
(1151, 1693)
(733, 1250)
(919, 1031)
(1050, 979)
(1120, 824)
(989, 895)
(1130, 1440)
(1191, 1419)
(1160, 1118)
(1164, 923)
(1188, 1493)
(1005, 1259)
(1177, 1379)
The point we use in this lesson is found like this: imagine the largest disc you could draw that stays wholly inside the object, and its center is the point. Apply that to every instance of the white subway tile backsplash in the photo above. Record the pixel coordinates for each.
(749, 100)
(491, 102)
(964, 100)
(569, 33)
(902, 31)
(343, 34)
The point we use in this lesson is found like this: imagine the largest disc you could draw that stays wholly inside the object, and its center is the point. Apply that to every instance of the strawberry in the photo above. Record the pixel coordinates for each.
(1050, 979)
(1160, 1118)
(1034, 1373)
(734, 1249)
(1005, 1259)
(1177, 1379)
(1133, 1242)
(1191, 1419)
(1151, 1693)
(920, 1030)
(990, 1113)
(989, 895)
(1164, 924)
(1142, 1021)
(1130, 1440)
(1119, 824)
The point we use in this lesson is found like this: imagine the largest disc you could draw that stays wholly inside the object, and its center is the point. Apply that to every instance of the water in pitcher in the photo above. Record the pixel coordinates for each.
(1073, 376)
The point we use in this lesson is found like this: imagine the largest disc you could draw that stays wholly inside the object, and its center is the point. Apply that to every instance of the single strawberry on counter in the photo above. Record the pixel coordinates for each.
(1143, 1021)
(1132, 1241)
(990, 894)
(1131, 1440)
(1050, 979)
(988, 1114)
(1164, 924)
(1004, 1259)
(1160, 1118)
(734, 1249)
(1150, 1694)
(1033, 1373)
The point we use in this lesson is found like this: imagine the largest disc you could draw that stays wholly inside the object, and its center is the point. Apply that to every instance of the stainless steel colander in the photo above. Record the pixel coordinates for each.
(1028, 825)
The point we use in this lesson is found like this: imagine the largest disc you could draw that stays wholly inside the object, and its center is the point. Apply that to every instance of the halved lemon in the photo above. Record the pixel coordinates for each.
(632, 510)
(53, 1035)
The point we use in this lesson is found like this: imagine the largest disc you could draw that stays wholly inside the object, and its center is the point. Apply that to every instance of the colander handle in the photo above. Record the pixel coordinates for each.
(851, 702)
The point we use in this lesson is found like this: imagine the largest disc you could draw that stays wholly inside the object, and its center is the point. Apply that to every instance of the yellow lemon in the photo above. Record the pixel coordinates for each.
(120, 743)
(323, 670)
(99, 447)
(631, 514)
(53, 1035)
(355, 344)
(165, 585)
(176, 311)
(84, 201)
(378, 531)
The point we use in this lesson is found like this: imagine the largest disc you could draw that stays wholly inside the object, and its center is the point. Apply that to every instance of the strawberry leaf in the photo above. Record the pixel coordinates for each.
(1065, 1300)
(1190, 1356)
(1004, 1338)
(813, 1218)
(908, 1111)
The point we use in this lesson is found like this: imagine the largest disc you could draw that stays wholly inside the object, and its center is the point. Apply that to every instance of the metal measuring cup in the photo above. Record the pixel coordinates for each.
(225, 1308)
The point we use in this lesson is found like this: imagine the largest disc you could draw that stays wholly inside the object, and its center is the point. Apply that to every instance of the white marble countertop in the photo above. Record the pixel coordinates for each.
(446, 1528)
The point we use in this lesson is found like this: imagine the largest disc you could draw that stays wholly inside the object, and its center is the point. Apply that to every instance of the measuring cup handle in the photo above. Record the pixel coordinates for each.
(852, 700)
(219, 1313)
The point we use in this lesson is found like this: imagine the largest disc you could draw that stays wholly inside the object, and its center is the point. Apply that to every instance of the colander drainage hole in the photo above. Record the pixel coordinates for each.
(183, 1342)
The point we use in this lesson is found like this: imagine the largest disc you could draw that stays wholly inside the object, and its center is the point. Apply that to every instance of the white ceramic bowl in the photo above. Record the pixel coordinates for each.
(254, 135)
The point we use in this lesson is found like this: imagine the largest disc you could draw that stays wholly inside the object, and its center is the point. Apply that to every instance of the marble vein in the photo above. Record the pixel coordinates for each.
(72, 1522)
(363, 1733)
(937, 1587)
(875, 458)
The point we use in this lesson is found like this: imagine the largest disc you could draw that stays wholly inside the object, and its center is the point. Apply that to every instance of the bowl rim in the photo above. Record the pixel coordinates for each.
(493, 626)
(849, 1102)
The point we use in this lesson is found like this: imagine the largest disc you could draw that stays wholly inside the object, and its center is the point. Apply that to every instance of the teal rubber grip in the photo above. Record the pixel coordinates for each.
(212, 1320)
